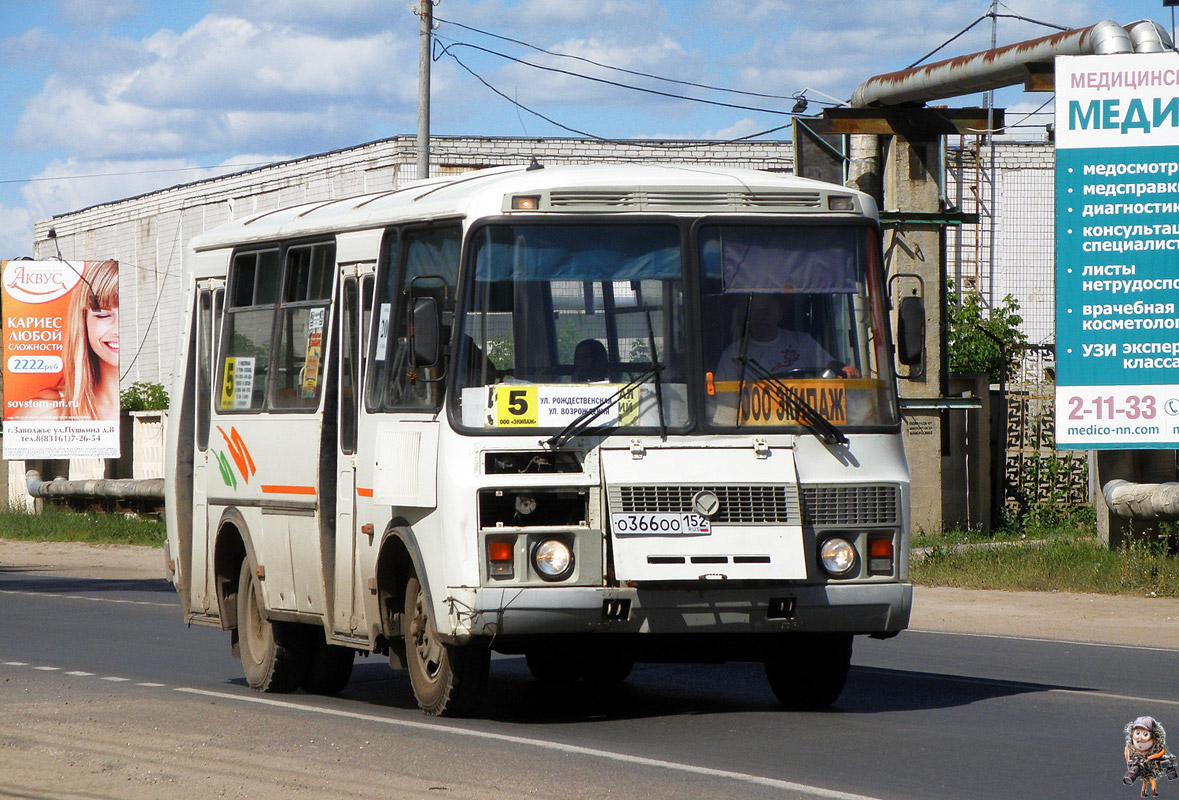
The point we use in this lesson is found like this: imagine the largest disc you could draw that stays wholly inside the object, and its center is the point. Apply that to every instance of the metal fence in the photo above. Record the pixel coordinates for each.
(1013, 193)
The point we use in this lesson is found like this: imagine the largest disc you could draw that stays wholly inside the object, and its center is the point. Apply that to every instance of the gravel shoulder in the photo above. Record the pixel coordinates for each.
(1111, 619)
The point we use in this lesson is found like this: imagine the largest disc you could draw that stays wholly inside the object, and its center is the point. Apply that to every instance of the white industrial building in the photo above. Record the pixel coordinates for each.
(147, 235)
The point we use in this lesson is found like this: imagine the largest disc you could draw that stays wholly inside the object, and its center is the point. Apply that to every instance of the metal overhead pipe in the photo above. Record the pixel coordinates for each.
(107, 489)
(992, 69)
(1142, 501)
(1149, 37)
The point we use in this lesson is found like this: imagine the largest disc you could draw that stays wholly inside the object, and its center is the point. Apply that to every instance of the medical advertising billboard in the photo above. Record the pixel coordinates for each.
(1117, 251)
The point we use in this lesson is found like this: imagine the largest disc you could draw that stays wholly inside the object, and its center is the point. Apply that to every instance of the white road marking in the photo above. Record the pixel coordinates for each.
(16, 663)
(151, 685)
(1094, 694)
(80, 674)
(742, 777)
(1047, 640)
(114, 679)
(56, 596)
(48, 669)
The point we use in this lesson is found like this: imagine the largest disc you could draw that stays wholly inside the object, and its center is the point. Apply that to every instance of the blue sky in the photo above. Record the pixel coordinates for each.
(111, 99)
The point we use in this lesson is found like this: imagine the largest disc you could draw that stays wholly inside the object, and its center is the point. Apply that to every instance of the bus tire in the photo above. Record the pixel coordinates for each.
(810, 673)
(448, 680)
(274, 655)
(330, 668)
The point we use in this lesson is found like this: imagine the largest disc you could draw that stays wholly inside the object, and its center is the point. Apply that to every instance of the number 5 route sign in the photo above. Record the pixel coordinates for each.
(1117, 251)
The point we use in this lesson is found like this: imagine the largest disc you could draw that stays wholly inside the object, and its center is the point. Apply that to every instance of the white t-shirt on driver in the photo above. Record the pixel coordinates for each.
(786, 351)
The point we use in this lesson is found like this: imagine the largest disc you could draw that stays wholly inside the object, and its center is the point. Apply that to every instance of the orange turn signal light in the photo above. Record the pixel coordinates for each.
(880, 548)
(499, 551)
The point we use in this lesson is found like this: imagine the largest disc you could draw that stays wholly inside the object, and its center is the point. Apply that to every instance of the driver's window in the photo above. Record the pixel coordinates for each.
(428, 268)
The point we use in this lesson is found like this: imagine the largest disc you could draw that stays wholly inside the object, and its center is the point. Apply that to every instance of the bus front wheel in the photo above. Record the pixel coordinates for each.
(448, 680)
(274, 655)
(810, 672)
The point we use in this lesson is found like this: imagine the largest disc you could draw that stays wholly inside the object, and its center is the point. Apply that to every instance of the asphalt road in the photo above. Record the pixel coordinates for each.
(924, 715)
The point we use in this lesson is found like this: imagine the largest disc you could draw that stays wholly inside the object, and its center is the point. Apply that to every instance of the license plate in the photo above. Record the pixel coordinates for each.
(660, 524)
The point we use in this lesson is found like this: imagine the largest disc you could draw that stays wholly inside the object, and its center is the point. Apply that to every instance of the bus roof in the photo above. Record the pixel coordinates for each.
(603, 189)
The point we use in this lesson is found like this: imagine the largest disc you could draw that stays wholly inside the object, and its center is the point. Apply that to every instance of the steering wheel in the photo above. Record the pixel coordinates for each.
(834, 369)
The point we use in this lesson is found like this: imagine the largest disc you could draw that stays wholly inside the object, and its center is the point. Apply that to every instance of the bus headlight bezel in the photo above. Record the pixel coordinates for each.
(553, 559)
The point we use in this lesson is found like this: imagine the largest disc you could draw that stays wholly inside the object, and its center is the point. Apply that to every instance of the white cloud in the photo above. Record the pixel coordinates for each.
(224, 85)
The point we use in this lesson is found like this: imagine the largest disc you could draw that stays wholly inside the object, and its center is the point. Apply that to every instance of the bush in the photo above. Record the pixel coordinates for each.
(970, 347)
(142, 396)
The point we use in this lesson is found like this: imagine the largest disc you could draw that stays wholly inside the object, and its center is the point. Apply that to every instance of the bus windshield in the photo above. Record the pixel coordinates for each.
(558, 318)
(793, 314)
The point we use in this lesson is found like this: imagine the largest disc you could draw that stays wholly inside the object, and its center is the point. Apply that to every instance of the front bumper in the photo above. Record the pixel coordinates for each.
(511, 614)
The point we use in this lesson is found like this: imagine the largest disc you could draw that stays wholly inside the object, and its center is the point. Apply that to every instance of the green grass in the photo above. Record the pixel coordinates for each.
(1067, 558)
(59, 525)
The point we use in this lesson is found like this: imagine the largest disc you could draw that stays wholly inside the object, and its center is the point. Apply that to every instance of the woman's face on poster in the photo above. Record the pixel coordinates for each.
(102, 332)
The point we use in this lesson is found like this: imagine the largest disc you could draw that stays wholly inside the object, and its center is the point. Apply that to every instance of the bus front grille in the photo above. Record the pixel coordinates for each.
(851, 505)
(739, 505)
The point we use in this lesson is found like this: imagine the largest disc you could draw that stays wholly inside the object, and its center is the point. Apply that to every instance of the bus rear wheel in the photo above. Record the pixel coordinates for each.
(810, 672)
(274, 655)
(448, 680)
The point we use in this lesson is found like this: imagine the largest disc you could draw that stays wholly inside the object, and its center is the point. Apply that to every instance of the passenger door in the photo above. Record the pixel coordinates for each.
(349, 336)
(209, 301)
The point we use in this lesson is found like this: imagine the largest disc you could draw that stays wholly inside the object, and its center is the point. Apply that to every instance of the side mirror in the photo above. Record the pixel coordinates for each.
(910, 331)
(427, 349)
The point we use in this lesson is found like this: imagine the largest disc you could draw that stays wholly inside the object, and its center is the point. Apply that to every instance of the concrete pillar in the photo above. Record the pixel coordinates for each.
(913, 253)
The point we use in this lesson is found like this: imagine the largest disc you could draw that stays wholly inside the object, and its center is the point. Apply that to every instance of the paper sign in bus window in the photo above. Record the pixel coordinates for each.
(314, 352)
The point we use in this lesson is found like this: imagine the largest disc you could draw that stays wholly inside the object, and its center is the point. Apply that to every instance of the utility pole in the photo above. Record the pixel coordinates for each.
(426, 12)
(991, 143)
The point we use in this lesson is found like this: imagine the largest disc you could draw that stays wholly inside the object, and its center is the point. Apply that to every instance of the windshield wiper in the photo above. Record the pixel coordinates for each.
(584, 419)
(803, 411)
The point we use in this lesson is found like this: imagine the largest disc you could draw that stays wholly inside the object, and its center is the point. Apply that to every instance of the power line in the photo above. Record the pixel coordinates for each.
(636, 73)
(593, 136)
(1013, 15)
(445, 50)
(959, 34)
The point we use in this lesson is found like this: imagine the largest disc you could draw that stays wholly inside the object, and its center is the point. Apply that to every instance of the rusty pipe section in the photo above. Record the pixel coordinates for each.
(109, 489)
(1142, 501)
(992, 69)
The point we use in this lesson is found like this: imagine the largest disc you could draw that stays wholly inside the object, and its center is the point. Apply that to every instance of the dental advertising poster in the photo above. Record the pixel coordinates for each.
(60, 359)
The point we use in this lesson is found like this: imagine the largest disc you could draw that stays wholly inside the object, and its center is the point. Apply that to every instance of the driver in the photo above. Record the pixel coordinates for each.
(777, 349)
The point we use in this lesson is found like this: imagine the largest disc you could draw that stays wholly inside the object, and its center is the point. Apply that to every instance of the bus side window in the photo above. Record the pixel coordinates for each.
(249, 330)
(297, 376)
(349, 366)
(204, 365)
(381, 318)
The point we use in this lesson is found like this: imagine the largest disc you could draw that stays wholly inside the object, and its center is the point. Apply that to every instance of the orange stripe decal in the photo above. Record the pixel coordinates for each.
(364, 492)
(272, 489)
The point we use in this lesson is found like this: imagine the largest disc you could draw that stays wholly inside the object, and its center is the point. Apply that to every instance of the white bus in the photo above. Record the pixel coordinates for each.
(587, 415)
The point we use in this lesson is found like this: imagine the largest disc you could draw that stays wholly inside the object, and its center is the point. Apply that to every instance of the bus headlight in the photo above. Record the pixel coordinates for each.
(837, 556)
(553, 559)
